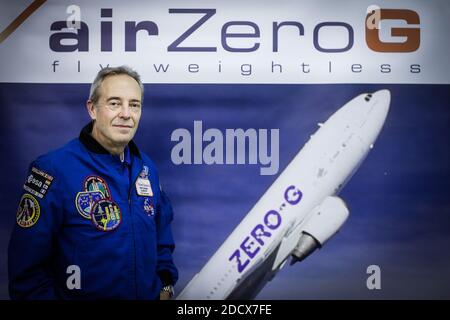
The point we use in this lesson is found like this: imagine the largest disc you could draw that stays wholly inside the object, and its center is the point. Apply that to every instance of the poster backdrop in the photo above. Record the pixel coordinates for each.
(276, 68)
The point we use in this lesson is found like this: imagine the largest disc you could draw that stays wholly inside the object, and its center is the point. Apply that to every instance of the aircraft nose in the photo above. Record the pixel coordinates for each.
(376, 116)
(384, 96)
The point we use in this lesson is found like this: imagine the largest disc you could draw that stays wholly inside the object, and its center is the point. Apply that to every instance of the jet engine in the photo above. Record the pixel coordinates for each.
(322, 224)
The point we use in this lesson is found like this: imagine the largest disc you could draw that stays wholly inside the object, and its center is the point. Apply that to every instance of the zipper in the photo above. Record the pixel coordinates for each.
(132, 227)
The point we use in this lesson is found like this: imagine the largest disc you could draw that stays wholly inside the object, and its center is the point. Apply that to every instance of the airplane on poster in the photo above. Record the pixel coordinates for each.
(300, 211)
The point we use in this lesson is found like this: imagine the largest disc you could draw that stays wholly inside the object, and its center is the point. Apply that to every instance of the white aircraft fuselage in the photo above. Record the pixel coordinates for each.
(300, 211)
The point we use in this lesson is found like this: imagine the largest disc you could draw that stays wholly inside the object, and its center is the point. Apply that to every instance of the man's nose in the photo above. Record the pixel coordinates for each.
(125, 111)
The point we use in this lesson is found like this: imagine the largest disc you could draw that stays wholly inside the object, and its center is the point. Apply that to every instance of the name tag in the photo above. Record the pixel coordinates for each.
(143, 187)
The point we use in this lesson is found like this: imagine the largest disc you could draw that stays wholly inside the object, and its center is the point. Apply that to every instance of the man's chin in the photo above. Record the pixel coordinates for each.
(122, 139)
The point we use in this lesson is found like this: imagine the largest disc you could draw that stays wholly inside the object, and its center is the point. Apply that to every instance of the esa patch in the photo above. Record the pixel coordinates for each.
(38, 182)
(106, 215)
(85, 201)
(96, 183)
(28, 212)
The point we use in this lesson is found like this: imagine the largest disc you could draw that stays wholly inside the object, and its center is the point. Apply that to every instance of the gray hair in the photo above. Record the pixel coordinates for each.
(111, 71)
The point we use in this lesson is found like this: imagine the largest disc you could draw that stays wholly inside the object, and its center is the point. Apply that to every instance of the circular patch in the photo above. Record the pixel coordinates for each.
(95, 183)
(85, 200)
(28, 212)
(106, 215)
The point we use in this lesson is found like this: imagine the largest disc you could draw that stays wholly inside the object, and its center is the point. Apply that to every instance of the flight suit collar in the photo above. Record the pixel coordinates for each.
(92, 145)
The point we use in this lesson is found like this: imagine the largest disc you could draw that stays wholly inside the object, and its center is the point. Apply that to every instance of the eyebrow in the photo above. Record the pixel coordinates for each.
(113, 98)
(118, 98)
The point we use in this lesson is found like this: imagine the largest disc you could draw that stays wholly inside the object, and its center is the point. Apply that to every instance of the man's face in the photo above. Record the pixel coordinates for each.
(117, 111)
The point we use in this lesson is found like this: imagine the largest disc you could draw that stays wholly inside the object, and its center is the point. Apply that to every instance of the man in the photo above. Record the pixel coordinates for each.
(93, 222)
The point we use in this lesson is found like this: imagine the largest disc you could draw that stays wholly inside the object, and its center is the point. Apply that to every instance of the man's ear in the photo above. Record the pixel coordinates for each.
(91, 109)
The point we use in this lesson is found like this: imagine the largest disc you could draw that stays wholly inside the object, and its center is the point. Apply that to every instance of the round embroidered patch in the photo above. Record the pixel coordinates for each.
(96, 183)
(28, 212)
(105, 215)
(85, 200)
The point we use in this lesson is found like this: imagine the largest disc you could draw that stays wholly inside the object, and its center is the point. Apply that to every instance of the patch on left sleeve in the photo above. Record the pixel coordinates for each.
(28, 212)
(38, 182)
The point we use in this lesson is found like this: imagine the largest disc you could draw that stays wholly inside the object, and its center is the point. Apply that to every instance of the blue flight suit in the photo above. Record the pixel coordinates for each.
(91, 226)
